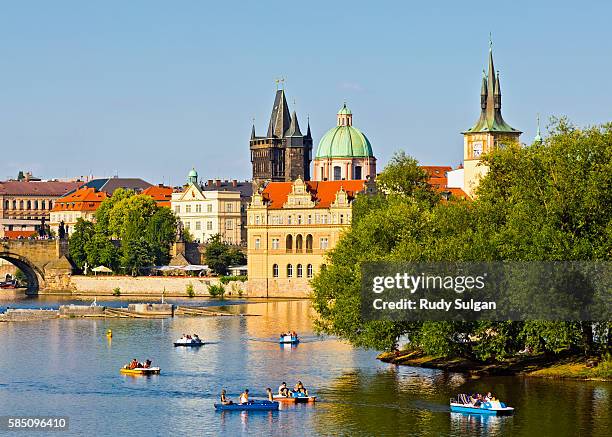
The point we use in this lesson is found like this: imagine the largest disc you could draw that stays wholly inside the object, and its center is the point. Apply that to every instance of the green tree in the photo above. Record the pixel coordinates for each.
(83, 233)
(135, 255)
(103, 213)
(160, 233)
(220, 255)
(548, 201)
(102, 251)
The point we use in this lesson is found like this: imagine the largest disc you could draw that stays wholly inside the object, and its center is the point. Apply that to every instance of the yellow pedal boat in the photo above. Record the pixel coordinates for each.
(140, 371)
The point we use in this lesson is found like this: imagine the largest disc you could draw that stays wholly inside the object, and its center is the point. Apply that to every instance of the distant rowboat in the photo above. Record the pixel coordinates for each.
(140, 371)
(249, 406)
(295, 400)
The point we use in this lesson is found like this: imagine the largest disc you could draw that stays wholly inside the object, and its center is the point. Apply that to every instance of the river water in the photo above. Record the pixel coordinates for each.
(68, 367)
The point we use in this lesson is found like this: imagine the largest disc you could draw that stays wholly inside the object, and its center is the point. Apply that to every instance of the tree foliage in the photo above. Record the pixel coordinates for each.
(547, 201)
(220, 255)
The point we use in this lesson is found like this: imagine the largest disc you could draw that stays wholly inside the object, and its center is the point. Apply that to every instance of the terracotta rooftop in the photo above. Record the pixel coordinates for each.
(322, 192)
(83, 199)
(37, 188)
(160, 193)
(14, 235)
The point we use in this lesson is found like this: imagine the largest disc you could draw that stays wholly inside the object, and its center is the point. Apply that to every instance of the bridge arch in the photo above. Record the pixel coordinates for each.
(34, 274)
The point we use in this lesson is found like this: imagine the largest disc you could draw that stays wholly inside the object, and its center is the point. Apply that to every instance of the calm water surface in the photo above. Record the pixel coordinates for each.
(68, 367)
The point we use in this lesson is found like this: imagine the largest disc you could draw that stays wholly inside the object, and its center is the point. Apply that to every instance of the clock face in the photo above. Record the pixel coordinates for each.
(477, 149)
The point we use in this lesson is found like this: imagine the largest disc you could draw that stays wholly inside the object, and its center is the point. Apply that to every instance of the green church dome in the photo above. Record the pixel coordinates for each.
(344, 141)
(192, 173)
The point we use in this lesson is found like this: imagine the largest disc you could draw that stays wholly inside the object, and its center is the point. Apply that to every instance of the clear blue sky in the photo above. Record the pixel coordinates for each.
(150, 88)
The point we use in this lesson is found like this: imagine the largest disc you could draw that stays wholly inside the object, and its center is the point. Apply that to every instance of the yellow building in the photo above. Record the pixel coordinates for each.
(489, 132)
(291, 225)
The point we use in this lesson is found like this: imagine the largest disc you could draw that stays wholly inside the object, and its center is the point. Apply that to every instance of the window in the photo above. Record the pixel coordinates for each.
(229, 224)
(298, 244)
(289, 220)
(337, 173)
(322, 174)
(289, 270)
(341, 219)
(198, 225)
(309, 243)
(198, 208)
(257, 243)
(256, 219)
(299, 270)
(209, 225)
(357, 173)
(177, 209)
(309, 270)
(275, 243)
(209, 207)
(187, 225)
(187, 208)
(309, 219)
(324, 243)
(229, 207)
(275, 270)
(289, 243)
(299, 218)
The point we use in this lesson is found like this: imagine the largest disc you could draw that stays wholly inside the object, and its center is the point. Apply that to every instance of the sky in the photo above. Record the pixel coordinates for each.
(151, 89)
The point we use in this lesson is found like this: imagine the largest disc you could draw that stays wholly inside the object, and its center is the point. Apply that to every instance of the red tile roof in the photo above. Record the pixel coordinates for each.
(13, 235)
(322, 192)
(161, 194)
(37, 188)
(83, 199)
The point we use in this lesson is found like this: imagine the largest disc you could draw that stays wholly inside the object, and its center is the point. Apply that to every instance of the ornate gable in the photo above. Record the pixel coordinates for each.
(299, 196)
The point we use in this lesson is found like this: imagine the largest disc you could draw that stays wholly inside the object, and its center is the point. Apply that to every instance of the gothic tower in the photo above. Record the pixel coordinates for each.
(489, 132)
(284, 154)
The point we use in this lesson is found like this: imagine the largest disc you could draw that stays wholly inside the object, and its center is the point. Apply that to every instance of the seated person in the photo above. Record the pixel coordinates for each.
(244, 397)
(147, 364)
(133, 364)
(495, 403)
(283, 390)
(224, 399)
(301, 389)
(195, 337)
(270, 397)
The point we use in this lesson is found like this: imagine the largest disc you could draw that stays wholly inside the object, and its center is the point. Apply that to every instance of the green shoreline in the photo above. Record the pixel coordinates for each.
(563, 366)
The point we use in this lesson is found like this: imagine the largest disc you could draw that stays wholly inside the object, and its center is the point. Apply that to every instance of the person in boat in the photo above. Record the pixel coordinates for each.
(269, 392)
(133, 364)
(293, 334)
(244, 396)
(147, 364)
(224, 399)
(300, 390)
(283, 390)
(196, 338)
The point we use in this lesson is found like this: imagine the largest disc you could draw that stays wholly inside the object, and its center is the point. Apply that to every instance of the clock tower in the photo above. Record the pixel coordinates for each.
(489, 132)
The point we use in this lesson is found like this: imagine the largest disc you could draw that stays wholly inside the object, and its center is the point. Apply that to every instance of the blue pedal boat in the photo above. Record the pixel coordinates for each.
(250, 406)
(288, 339)
(463, 406)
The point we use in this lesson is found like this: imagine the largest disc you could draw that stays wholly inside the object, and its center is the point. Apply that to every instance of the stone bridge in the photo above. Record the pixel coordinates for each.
(44, 262)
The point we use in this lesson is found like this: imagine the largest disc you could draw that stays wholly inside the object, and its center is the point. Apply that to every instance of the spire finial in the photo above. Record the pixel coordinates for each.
(538, 137)
(490, 41)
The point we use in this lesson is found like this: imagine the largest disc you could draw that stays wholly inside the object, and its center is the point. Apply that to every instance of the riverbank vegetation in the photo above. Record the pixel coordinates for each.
(548, 201)
(130, 232)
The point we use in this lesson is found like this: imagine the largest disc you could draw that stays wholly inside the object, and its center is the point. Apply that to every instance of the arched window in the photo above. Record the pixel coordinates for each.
(289, 270)
(275, 270)
(299, 219)
(21, 204)
(337, 173)
(341, 219)
(299, 270)
(50, 204)
(6, 204)
(357, 172)
(309, 243)
(14, 204)
(289, 243)
(29, 205)
(309, 270)
(298, 243)
(289, 220)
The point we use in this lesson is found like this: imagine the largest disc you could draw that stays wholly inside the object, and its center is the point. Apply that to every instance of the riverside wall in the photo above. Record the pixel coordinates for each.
(145, 286)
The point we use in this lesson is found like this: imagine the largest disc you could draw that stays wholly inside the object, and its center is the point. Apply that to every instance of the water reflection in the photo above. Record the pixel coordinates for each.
(71, 367)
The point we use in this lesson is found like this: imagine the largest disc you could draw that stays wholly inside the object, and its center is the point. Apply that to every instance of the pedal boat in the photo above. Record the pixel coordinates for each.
(485, 408)
(296, 399)
(188, 343)
(140, 371)
(256, 405)
(289, 339)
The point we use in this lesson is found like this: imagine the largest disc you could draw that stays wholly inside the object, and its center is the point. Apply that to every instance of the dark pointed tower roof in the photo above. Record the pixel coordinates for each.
(491, 119)
(253, 132)
(294, 127)
(308, 133)
(280, 118)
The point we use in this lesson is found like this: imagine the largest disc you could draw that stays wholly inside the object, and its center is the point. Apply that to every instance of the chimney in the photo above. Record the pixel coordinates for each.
(234, 183)
(209, 183)
(218, 182)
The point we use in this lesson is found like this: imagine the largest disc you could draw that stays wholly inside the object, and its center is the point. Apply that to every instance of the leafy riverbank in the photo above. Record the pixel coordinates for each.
(539, 365)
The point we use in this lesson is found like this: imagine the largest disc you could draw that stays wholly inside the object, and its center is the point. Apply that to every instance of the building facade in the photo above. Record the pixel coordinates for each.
(26, 203)
(489, 132)
(82, 203)
(284, 154)
(291, 225)
(205, 213)
(344, 152)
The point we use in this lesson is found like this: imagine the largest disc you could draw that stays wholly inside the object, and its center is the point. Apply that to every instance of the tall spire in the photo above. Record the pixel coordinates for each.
(308, 133)
(280, 117)
(294, 128)
(253, 130)
(491, 85)
(538, 137)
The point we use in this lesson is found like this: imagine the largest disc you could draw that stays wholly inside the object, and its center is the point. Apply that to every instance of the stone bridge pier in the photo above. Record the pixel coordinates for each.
(45, 263)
